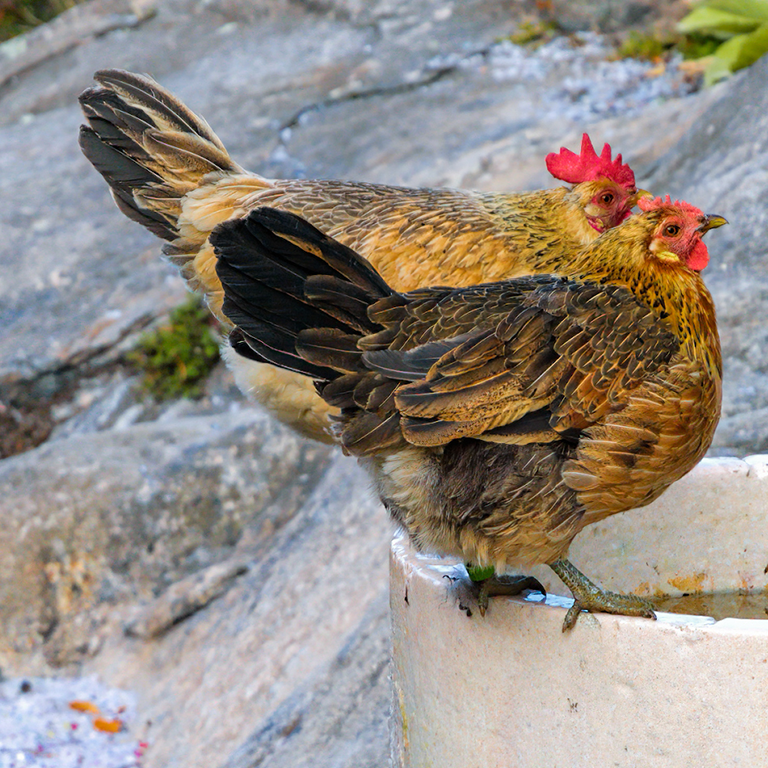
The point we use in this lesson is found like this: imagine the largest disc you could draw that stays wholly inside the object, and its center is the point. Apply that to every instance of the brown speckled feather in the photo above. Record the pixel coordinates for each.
(548, 343)
(168, 171)
(498, 420)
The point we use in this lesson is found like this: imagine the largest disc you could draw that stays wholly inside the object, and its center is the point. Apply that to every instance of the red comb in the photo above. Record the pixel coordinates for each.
(588, 166)
(646, 204)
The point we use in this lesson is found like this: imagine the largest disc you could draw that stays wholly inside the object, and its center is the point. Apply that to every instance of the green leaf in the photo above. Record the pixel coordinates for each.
(737, 53)
(714, 21)
(716, 70)
(749, 9)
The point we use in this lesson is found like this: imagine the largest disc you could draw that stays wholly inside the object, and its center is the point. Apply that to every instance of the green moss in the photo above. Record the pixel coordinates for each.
(19, 16)
(644, 46)
(656, 48)
(533, 32)
(696, 46)
(176, 358)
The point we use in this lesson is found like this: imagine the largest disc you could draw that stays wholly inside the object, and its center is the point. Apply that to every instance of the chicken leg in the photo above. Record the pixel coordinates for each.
(587, 596)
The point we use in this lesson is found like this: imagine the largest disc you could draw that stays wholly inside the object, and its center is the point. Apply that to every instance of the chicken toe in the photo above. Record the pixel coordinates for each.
(588, 596)
(483, 588)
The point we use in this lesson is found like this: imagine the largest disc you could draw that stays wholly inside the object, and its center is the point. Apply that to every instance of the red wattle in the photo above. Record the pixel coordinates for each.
(699, 257)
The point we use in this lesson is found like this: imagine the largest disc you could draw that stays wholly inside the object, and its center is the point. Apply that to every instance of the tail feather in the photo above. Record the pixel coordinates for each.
(149, 147)
(156, 100)
(294, 293)
(260, 352)
(324, 291)
(112, 116)
(186, 153)
(124, 174)
(259, 283)
(331, 347)
(273, 338)
(343, 300)
(306, 247)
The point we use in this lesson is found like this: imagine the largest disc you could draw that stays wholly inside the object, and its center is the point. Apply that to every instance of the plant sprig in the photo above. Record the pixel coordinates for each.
(741, 25)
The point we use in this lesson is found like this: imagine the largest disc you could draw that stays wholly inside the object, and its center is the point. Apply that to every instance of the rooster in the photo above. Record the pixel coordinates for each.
(497, 420)
(168, 171)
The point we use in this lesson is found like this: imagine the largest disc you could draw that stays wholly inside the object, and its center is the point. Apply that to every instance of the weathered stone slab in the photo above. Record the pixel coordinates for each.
(100, 520)
(291, 661)
(721, 165)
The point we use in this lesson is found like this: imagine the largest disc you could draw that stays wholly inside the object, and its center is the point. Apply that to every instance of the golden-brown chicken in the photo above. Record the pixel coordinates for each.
(168, 171)
(498, 420)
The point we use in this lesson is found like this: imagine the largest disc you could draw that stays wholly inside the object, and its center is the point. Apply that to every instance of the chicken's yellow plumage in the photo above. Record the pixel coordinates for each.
(168, 171)
(498, 420)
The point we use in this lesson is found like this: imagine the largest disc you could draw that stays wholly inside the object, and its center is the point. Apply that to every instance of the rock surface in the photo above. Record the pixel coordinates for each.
(722, 163)
(306, 624)
(229, 573)
(102, 519)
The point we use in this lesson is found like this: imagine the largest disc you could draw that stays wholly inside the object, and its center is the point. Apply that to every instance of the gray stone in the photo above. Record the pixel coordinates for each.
(137, 515)
(270, 669)
(182, 599)
(600, 15)
(616, 16)
(74, 27)
(721, 165)
(96, 521)
(339, 716)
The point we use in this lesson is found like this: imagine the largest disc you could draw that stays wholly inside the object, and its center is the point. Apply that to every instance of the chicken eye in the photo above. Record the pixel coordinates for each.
(607, 198)
(672, 230)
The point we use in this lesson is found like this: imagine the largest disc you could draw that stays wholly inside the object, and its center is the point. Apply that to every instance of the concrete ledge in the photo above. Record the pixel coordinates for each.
(708, 532)
(510, 690)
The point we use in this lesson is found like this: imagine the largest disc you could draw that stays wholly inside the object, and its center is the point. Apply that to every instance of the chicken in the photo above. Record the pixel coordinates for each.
(498, 420)
(168, 171)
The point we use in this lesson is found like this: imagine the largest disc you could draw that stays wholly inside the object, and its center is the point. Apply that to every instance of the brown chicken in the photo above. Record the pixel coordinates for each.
(498, 420)
(168, 171)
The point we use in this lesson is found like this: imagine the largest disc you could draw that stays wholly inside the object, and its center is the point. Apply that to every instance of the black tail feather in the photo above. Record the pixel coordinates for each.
(342, 300)
(155, 98)
(297, 297)
(329, 346)
(148, 146)
(315, 252)
(253, 349)
(111, 117)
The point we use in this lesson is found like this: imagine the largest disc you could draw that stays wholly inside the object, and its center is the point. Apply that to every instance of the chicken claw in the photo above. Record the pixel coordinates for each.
(486, 586)
(587, 596)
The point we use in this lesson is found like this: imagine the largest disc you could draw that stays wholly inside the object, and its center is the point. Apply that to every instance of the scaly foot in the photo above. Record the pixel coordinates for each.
(484, 585)
(587, 596)
(505, 585)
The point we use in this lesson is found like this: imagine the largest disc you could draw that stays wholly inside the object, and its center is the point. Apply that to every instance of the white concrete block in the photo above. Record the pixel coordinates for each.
(708, 532)
(510, 690)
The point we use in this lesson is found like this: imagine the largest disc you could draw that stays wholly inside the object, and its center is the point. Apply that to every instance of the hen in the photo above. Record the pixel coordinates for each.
(501, 419)
(168, 171)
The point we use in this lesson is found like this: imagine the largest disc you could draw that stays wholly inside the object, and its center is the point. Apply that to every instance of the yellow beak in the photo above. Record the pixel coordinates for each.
(712, 221)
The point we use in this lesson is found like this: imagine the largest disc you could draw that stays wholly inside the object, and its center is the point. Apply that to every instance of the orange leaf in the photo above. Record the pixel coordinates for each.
(108, 726)
(84, 706)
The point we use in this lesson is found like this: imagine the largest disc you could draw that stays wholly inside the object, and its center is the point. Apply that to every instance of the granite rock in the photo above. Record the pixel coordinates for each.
(101, 520)
(249, 565)
(721, 165)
